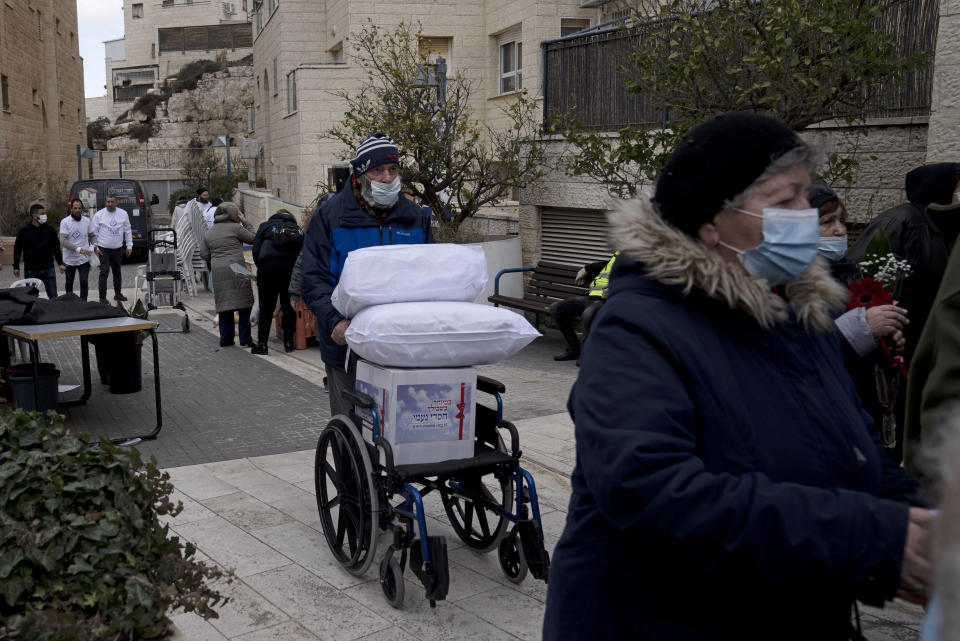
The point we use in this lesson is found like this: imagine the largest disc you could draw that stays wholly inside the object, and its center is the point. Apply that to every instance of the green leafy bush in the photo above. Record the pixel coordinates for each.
(184, 192)
(84, 556)
(189, 74)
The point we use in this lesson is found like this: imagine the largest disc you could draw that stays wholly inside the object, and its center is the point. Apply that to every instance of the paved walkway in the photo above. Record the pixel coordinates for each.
(238, 438)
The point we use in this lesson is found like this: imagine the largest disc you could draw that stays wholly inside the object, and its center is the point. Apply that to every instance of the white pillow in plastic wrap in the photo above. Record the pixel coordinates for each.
(438, 334)
(409, 273)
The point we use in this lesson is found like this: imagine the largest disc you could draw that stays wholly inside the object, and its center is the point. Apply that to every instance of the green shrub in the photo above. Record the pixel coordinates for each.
(147, 104)
(183, 192)
(83, 555)
(142, 131)
(189, 74)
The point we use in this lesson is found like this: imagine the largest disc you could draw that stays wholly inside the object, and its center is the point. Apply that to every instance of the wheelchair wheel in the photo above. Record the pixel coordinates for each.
(510, 555)
(477, 525)
(391, 580)
(346, 495)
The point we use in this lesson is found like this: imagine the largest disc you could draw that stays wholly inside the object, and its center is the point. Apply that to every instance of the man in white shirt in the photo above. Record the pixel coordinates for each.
(76, 239)
(111, 226)
(203, 205)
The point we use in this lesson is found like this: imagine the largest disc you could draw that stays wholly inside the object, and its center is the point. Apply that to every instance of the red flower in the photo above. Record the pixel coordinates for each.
(867, 293)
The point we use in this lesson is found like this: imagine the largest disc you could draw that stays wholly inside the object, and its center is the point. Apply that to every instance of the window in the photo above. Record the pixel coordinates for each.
(62, 115)
(433, 48)
(5, 93)
(292, 91)
(572, 25)
(511, 66)
(153, 50)
(253, 117)
(36, 98)
(276, 74)
(167, 3)
(244, 5)
(39, 26)
(136, 10)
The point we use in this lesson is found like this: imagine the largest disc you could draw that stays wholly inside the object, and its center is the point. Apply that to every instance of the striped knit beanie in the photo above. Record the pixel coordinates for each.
(378, 149)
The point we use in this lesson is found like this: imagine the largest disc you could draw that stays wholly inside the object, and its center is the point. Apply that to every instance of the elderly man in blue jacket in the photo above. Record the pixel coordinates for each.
(372, 212)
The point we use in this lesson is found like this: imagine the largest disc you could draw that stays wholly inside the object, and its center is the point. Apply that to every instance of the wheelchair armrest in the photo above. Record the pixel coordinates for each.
(514, 436)
(490, 386)
(359, 399)
(511, 270)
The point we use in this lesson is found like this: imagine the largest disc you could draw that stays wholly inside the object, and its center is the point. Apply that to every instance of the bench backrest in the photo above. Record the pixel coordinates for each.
(553, 281)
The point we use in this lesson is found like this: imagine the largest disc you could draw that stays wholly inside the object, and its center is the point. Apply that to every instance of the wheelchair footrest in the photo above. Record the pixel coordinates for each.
(435, 575)
(534, 551)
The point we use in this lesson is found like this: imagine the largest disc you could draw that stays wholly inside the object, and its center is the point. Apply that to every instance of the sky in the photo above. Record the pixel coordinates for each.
(97, 20)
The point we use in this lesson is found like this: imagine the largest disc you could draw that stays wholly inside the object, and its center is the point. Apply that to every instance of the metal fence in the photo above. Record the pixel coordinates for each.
(164, 159)
(581, 73)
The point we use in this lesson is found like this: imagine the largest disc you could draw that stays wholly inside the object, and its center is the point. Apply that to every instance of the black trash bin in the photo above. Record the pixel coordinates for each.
(21, 386)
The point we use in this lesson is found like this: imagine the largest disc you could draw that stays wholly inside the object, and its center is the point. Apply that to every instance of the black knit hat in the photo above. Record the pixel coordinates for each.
(378, 149)
(716, 161)
(201, 189)
(820, 194)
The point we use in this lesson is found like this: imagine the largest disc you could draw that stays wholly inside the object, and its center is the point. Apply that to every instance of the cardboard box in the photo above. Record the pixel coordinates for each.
(427, 415)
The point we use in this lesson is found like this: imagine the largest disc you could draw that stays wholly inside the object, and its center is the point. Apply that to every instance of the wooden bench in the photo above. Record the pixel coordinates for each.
(549, 283)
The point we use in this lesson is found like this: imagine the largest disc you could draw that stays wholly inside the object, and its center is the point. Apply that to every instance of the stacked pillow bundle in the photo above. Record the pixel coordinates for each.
(412, 306)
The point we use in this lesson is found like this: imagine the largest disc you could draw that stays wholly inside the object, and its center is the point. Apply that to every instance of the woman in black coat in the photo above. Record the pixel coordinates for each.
(726, 485)
(275, 250)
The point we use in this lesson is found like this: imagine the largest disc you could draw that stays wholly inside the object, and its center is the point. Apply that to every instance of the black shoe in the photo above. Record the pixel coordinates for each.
(569, 355)
(261, 349)
(104, 301)
(119, 297)
(248, 343)
(230, 344)
(288, 345)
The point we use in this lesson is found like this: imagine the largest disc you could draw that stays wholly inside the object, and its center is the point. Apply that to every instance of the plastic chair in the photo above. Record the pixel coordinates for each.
(31, 282)
(41, 291)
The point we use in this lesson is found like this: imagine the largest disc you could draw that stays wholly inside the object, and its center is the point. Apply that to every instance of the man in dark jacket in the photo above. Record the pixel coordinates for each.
(726, 486)
(38, 243)
(275, 250)
(921, 231)
(371, 211)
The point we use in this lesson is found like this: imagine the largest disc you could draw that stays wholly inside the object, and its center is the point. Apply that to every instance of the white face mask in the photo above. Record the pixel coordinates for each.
(832, 247)
(42, 218)
(385, 194)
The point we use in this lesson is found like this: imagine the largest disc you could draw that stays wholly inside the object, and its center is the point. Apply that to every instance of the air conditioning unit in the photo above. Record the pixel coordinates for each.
(249, 148)
(591, 4)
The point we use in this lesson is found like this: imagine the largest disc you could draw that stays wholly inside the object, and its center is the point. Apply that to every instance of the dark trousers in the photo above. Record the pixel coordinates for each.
(226, 326)
(111, 259)
(84, 271)
(340, 379)
(49, 278)
(272, 283)
(565, 312)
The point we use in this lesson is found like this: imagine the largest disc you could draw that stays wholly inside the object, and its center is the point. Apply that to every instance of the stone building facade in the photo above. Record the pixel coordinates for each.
(160, 36)
(301, 58)
(42, 116)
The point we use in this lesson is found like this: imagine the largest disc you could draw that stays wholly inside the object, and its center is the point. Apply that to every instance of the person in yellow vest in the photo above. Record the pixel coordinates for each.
(565, 312)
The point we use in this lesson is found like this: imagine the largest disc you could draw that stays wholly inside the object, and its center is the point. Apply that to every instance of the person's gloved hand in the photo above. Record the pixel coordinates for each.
(581, 278)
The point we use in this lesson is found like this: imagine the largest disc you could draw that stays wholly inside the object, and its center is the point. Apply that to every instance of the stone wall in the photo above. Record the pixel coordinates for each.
(216, 107)
(943, 143)
(45, 120)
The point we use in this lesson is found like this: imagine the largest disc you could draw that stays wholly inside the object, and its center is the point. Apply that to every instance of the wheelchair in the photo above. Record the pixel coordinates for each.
(490, 501)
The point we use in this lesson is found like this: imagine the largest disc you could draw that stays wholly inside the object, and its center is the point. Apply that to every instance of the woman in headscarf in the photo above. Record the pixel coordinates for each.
(727, 486)
(223, 247)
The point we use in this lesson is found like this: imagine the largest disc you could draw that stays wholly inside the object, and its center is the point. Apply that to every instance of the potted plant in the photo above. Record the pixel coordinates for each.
(119, 355)
(83, 553)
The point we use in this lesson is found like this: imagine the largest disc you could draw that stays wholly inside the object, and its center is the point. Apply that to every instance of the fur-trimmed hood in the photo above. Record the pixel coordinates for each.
(671, 257)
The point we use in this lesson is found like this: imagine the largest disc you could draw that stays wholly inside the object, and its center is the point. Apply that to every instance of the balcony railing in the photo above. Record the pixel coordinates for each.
(581, 73)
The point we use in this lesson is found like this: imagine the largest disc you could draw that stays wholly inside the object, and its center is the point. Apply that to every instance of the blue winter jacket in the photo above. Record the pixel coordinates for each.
(726, 485)
(339, 226)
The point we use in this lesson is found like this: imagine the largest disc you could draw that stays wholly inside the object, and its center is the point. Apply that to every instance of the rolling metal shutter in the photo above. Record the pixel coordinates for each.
(573, 236)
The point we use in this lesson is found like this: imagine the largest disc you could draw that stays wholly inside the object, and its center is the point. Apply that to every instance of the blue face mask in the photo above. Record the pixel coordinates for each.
(832, 247)
(789, 244)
